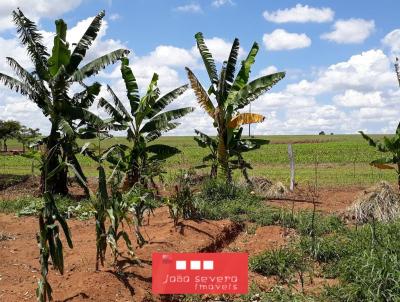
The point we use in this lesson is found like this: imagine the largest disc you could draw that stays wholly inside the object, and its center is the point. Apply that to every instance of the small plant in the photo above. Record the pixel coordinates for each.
(283, 263)
(50, 244)
(118, 214)
(215, 190)
(140, 201)
(183, 203)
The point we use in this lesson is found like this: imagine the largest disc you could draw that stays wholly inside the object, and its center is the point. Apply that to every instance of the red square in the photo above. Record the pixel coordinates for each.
(200, 273)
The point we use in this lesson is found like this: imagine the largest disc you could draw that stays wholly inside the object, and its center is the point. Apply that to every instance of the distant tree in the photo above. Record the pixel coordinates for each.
(331, 133)
(27, 136)
(321, 133)
(8, 130)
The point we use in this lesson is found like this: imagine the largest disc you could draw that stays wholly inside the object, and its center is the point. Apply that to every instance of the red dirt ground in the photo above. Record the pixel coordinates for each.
(19, 253)
(19, 258)
(331, 200)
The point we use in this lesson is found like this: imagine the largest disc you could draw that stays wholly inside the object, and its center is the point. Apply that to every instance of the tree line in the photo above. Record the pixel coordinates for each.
(14, 130)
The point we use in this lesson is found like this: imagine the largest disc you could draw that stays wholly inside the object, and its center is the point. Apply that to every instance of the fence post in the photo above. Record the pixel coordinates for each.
(292, 174)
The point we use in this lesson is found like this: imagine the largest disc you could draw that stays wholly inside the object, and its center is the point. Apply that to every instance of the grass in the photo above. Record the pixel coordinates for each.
(27, 206)
(365, 260)
(282, 262)
(342, 159)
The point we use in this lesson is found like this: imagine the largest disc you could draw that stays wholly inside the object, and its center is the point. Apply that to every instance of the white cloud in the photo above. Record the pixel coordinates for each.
(300, 14)
(268, 70)
(350, 31)
(219, 3)
(392, 40)
(368, 70)
(280, 39)
(170, 56)
(354, 98)
(189, 8)
(372, 114)
(34, 10)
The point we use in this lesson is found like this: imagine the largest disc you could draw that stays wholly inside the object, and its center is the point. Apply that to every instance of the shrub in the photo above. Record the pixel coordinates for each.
(183, 203)
(214, 190)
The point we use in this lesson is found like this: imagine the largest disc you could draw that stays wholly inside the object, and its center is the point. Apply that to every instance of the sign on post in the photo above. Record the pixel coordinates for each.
(200, 273)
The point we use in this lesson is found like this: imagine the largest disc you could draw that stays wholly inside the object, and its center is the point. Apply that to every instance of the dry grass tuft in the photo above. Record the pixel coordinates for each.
(380, 203)
(266, 188)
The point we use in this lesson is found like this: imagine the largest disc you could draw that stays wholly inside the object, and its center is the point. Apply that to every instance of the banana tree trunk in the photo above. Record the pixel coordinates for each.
(214, 169)
(133, 175)
(58, 183)
(223, 157)
(398, 175)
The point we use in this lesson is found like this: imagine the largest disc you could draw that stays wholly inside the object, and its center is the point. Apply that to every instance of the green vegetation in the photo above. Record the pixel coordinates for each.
(342, 159)
(7, 180)
(48, 86)
(390, 146)
(283, 263)
(232, 92)
(145, 122)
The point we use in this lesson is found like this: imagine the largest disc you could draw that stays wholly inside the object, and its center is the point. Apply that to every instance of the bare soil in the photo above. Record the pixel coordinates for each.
(129, 280)
(329, 200)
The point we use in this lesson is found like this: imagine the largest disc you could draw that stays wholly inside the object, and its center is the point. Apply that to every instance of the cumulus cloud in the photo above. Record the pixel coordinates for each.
(354, 98)
(34, 9)
(392, 41)
(368, 70)
(351, 31)
(300, 14)
(189, 8)
(280, 39)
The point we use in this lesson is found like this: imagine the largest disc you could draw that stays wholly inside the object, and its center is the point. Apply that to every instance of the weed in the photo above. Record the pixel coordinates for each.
(183, 203)
(282, 262)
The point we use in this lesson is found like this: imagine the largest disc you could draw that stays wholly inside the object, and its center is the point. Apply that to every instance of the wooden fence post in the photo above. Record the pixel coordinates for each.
(292, 174)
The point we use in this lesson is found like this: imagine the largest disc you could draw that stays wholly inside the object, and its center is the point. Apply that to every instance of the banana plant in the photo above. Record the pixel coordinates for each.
(48, 86)
(48, 238)
(101, 203)
(205, 141)
(146, 122)
(118, 214)
(389, 146)
(237, 146)
(231, 93)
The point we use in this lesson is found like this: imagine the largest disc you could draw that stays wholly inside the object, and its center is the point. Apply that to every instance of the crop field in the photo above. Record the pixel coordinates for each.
(339, 159)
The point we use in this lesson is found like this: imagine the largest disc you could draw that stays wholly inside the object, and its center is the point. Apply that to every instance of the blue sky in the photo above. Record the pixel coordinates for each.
(338, 55)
